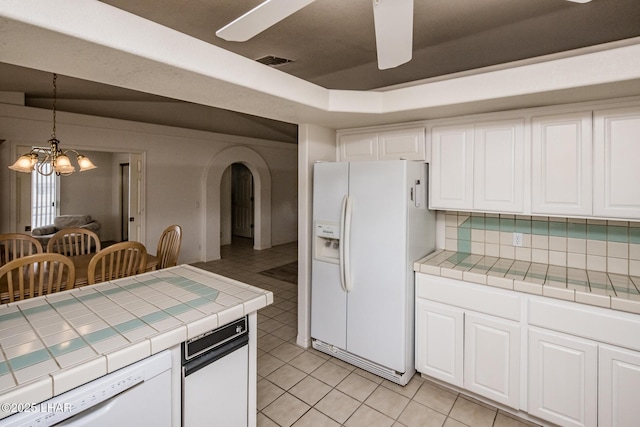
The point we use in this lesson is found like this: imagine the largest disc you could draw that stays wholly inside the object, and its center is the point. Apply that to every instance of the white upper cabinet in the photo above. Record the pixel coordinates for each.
(358, 147)
(616, 169)
(402, 144)
(394, 144)
(451, 169)
(478, 167)
(498, 176)
(561, 164)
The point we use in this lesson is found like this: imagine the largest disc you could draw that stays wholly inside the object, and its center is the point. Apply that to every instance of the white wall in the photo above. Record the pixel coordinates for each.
(316, 143)
(175, 169)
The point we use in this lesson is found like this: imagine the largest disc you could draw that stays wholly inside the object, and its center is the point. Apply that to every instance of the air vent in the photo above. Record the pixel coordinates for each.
(273, 61)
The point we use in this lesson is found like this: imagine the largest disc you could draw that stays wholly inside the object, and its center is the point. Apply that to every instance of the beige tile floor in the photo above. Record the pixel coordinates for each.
(304, 387)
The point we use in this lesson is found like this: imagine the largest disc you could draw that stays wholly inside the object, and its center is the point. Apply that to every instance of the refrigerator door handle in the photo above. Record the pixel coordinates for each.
(346, 245)
(343, 211)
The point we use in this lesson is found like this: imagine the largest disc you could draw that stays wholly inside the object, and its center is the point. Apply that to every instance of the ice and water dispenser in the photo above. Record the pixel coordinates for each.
(327, 242)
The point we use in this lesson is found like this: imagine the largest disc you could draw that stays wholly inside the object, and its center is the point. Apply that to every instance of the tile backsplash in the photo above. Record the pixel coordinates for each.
(599, 245)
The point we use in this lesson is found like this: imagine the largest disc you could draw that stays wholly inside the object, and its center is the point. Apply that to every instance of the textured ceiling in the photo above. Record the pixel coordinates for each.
(332, 42)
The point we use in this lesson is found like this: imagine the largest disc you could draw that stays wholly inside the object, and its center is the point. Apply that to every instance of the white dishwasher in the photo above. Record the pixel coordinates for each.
(137, 395)
(215, 375)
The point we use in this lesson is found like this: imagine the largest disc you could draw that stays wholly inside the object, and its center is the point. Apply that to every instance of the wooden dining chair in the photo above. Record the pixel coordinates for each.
(74, 241)
(169, 246)
(116, 261)
(38, 274)
(17, 245)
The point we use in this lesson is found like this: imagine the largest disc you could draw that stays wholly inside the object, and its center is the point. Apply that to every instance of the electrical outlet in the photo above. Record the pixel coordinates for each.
(517, 239)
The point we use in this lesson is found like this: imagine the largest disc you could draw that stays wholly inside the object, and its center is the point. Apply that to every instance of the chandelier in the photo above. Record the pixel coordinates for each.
(49, 160)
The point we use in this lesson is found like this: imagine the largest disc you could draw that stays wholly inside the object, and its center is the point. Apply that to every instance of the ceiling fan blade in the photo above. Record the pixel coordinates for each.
(580, 1)
(393, 21)
(260, 18)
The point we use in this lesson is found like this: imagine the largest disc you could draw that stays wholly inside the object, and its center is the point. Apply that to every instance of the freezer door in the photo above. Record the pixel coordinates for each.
(328, 300)
(377, 305)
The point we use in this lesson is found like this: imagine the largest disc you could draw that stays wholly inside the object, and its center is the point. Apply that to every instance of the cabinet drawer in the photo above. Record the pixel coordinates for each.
(599, 324)
(482, 299)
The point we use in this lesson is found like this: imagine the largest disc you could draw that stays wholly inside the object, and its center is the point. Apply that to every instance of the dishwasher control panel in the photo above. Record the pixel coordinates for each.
(214, 339)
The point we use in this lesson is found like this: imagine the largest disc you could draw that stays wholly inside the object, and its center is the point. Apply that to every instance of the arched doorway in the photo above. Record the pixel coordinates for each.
(214, 206)
(236, 204)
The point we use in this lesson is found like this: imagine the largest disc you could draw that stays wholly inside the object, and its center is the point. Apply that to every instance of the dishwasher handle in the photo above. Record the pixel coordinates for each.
(209, 357)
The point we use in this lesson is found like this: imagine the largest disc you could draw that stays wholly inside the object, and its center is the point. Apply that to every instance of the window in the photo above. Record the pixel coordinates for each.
(44, 197)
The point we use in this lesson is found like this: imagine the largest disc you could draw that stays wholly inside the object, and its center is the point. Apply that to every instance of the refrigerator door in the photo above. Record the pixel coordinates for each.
(377, 304)
(328, 300)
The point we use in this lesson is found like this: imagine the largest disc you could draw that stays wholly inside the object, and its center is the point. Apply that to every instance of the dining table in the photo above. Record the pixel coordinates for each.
(81, 266)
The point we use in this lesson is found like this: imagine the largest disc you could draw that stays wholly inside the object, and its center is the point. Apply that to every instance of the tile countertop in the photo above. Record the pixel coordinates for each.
(57, 342)
(598, 288)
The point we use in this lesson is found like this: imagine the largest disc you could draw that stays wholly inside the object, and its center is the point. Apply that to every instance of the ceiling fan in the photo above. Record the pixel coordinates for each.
(393, 21)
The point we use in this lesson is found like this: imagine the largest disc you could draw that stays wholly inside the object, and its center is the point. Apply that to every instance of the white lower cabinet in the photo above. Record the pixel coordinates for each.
(563, 378)
(618, 387)
(440, 340)
(477, 352)
(492, 358)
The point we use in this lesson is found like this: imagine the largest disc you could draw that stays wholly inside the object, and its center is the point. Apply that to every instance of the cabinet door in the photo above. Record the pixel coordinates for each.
(616, 171)
(618, 385)
(439, 341)
(561, 164)
(451, 169)
(492, 358)
(358, 147)
(498, 183)
(402, 144)
(562, 378)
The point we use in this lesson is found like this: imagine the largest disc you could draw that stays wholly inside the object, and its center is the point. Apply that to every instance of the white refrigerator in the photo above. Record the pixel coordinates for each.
(371, 223)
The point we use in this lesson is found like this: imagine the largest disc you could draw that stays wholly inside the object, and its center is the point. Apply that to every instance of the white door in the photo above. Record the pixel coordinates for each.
(378, 303)
(439, 341)
(242, 201)
(498, 183)
(402, 144)
(618, 386)
(136, 205)
(563, 384)
(561, 164)
(615, 159)
(451, 169)
(328, 300)
(492, 358)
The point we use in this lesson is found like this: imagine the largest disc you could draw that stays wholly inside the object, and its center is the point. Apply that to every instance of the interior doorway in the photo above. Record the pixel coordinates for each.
(124, 201)
(242, 198)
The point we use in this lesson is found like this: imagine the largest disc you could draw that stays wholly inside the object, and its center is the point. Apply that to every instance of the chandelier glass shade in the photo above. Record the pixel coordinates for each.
(49, 160)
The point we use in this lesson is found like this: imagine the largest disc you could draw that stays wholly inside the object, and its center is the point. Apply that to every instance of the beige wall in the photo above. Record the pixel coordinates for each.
(176, 162)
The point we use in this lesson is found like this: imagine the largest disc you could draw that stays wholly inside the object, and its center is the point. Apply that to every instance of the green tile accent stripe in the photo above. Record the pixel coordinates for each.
(507, 224)
(129, 325)
(35, 310)
(89, 297)
(596, 232)
(4, 369)
(616, 233)
(540, 227)
(67, 346)
(29, 359)
(178, 309)
(100, 335)
(11, 316)
(64, 302)
(155, 317)
(557, 229)
(576, 231)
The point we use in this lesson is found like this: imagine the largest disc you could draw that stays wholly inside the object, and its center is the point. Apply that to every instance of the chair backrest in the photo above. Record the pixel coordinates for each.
(17, 245)
(38, 274)
(169, 246)
(118, 260)
(74, 241)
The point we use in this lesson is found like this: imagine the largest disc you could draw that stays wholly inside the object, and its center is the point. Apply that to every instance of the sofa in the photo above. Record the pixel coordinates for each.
(44, 233)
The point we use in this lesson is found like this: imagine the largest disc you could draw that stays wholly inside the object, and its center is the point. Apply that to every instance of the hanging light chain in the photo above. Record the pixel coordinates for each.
(55, 97)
